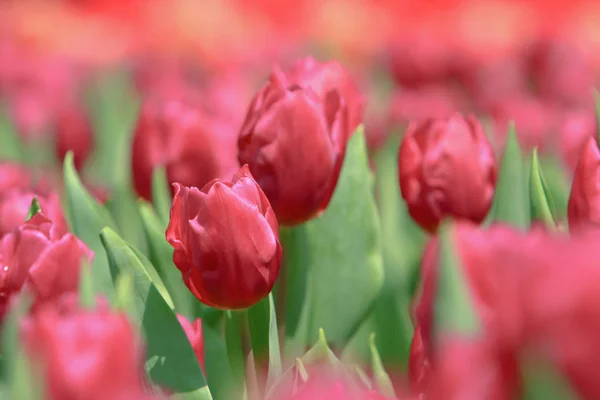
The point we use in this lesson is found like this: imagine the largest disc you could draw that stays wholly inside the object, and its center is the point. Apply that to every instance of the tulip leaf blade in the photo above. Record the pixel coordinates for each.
(218, 370)
(161, 196)
(454, 312)
(170, 362)
(34, 208)
(382, 380)
(343, 254)
(11, 147)
(161, 256)
(543, 381)
(262, 321)
(511, 199)
(542, 203)
(87, 218)
(87, 297)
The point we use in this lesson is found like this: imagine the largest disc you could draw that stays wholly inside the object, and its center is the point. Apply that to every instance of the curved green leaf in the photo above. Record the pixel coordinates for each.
(161, 196)
(542, 205)
(382, 381)
(86, 219)
(34, 208)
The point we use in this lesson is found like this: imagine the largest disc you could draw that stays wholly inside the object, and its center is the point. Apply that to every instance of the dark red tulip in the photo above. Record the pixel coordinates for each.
(584, 201)
(294, 143)
(177, 133)
(575, 130)
(74, 132)
(193, 331)
(84, 354)
(38, 257)
(324, 78)
(447, 169)
(226, 241)
(14, 206)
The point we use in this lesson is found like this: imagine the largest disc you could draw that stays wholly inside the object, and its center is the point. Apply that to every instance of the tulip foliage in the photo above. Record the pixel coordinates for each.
(279, 257)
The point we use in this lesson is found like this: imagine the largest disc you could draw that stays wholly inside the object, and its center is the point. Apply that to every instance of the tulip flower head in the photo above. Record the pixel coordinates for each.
(193, 331)
(584, 202)
(83, 354)
(446, 169)
(294, 142)
(38, 257)
(226, 241)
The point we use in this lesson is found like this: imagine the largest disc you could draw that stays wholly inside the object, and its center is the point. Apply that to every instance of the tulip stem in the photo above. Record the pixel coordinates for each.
(238, 344)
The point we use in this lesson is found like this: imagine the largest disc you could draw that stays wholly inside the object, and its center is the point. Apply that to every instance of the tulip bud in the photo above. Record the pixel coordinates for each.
(294, 143)
(38, 257)
(194, 147)
(92, 355)
(74, 132)
(14, 207)
(324, 78)
(575, 130)
(193, 331)
(226, 241)
(584, 202)
(447, 168)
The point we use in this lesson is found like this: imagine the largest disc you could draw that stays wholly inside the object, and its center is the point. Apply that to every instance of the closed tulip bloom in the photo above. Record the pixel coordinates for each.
(226, 241)
(575, 130)
(447, 169)
(294, 143)
(14, 207)
(193, 331)
(83, 354)
(40, 258)
(326, 77)
(584, 201)
(74, 132)
(177, 133)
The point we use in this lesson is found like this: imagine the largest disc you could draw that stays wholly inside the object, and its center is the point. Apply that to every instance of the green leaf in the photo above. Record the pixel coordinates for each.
(11, 148)
(558, 184)
(87, 296)
(511, 200)
(542, 205)
(453, 310)
(161, 256)
(86, 219)
(114, 105)
(234, 325)
(262, 322)
(382, 381)
(23, 378)
(34, 208)
(218, 370)
(170, 361)
(341, 253)
(161, 195)
(543, 381)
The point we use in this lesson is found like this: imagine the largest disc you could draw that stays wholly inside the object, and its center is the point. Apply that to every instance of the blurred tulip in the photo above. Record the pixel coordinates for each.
(294, 144)
(324, 78)
(424, 103)
(14, 176)
(562, 72)
(74, 132)
(226, 241)
(40, 258)
(14, 207)
(94, 355)
(575, 130)
(446, 168)
(194, 147)
(584, 201)
(193, 331)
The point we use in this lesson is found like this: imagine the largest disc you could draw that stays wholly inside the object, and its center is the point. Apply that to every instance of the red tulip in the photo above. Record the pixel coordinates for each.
(194, 147)
(446, 168)
(40, 258)
(424, 103)
(584, 202)
(226, 241)
(324, 78)
(575, 130)
(14, 206)
(294, 143)
(193, 331)
(74, 132)
(94, 355)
